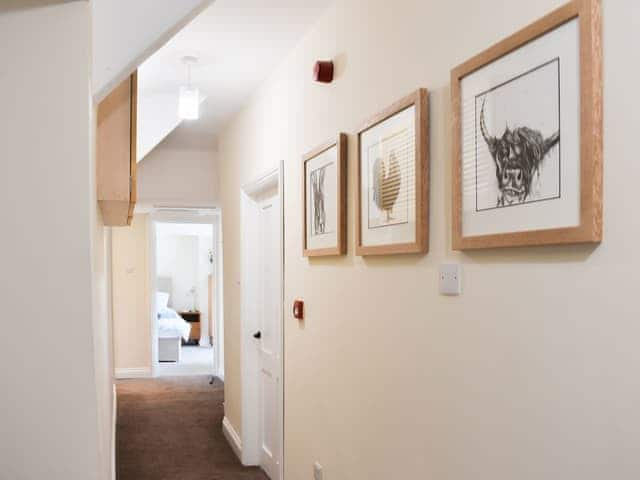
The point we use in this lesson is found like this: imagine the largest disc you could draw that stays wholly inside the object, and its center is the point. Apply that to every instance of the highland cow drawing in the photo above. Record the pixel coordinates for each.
(518, 155)
(518, 140)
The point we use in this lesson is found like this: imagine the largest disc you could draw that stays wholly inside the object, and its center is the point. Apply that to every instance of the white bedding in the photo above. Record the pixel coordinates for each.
(170, 324)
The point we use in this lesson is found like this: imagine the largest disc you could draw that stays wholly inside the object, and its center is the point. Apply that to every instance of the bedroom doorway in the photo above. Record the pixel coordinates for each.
(185, 280)
(262, 281)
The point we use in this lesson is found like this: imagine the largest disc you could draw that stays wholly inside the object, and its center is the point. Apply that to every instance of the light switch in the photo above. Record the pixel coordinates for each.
(450, 279)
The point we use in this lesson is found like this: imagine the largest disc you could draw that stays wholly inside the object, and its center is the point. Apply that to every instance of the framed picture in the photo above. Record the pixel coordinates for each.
(392, 195)
(527, 135)
(324, 199)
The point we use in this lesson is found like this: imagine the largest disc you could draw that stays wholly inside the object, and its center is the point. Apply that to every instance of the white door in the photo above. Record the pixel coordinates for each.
(270, 337)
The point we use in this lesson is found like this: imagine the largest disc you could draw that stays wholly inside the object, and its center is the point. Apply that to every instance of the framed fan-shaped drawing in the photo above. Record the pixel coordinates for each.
(392, 189)
(324, 199)
(527, 135)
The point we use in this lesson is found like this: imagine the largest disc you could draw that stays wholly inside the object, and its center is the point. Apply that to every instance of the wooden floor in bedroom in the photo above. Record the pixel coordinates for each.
(170, 428)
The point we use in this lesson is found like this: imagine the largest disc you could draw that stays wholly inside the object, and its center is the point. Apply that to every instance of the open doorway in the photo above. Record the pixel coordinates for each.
(185, 274)
(262, 280)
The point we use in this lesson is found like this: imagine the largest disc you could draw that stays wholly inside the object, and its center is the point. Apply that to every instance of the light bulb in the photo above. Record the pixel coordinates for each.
(189, 103)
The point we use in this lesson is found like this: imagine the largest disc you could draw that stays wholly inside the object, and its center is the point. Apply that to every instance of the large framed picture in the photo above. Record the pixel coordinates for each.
(527, 135)
(392, 194)
(324, 199)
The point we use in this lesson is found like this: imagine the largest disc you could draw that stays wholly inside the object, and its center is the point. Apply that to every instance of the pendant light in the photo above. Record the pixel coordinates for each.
(189, 100)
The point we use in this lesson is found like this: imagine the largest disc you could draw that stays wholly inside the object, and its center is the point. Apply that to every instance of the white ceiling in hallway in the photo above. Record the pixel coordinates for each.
(238, 43)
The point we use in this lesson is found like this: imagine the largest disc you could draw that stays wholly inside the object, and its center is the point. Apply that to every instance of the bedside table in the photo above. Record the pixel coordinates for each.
(194, 319)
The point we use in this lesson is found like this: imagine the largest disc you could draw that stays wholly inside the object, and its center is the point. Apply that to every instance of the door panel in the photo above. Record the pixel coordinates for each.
(271, 339)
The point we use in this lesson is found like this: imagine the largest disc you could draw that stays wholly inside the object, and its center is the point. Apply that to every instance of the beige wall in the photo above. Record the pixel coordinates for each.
(102, 320)
(52, 413)
(131, 301)
(176, 174)
(102, 339)
(532, 372)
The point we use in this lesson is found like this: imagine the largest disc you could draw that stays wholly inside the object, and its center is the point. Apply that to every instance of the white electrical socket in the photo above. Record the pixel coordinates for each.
(317, 471)
(450, 279)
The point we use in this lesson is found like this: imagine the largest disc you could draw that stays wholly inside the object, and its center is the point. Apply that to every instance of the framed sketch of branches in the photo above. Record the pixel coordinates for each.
(324, 199)
(527, 135)
(392, 194)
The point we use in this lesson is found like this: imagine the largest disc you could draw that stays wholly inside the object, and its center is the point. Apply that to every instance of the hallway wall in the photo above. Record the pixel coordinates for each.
(131, 301)
(53, 415)
(102, 321)
(177, 174)
(531, 373)
(177, 258)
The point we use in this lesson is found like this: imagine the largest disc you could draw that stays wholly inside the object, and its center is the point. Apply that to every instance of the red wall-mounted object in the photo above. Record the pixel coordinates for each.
(323, 71)
(298, 309)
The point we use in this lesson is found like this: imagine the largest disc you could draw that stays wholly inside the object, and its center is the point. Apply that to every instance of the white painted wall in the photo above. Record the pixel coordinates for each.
(126, 32)
(176, 175)
(178, 259)
(51, 419)
(184, 259)
(532, 372)
(157, 118)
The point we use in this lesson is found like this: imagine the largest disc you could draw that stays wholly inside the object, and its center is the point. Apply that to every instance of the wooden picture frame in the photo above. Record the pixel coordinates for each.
(418, 214)
(585, 17)
(339, 247)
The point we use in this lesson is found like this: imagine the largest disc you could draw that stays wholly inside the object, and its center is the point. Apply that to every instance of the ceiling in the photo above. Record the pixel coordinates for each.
(238, 43)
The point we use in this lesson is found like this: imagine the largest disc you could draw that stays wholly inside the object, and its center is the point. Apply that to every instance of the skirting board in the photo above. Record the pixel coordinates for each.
(232, 437)
(140, 372)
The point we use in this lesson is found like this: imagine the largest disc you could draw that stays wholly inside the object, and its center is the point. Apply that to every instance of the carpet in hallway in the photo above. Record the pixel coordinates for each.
(171, 429)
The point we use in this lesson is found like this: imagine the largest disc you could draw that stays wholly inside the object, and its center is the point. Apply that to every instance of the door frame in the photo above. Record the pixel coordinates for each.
(206, 215)
(251, 198)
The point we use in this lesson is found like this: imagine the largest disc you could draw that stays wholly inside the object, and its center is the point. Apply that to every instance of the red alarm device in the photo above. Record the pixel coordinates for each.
(298, 309)
(323, 71)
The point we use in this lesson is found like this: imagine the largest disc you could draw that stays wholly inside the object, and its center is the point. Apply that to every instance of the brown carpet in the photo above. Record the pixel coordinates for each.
(171, 428)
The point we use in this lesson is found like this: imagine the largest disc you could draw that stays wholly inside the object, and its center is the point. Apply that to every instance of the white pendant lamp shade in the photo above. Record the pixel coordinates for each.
(189, 100)
(189, 103)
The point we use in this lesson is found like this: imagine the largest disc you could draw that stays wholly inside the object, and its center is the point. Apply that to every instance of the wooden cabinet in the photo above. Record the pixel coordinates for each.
(116, 153)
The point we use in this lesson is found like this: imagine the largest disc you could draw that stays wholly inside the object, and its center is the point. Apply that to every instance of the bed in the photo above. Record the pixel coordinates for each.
(172, 328)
